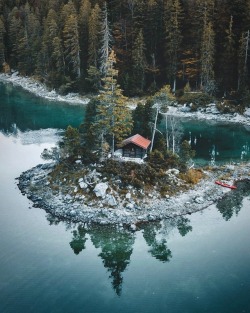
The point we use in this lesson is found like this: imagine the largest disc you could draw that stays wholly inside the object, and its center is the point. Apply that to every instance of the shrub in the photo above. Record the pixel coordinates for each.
(192, 176)
(230, 106)
(198, 99)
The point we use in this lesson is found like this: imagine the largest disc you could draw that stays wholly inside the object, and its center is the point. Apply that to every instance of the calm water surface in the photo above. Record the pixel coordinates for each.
(197, 264)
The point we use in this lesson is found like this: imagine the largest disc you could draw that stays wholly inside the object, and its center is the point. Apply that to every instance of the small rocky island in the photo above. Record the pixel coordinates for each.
(91, 194)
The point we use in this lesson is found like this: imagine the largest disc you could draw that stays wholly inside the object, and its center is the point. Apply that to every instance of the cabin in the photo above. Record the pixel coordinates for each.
(135, 147)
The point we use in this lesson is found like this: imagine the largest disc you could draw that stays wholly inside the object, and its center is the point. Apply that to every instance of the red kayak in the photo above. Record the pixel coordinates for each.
(225, 185)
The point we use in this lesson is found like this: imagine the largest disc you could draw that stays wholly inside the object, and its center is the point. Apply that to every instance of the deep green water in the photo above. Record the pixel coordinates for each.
(197, 264)
(26, 111)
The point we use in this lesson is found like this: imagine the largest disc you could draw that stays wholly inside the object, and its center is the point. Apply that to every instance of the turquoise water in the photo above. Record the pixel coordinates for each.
(198, 264)
(26, 111)
(230, 142)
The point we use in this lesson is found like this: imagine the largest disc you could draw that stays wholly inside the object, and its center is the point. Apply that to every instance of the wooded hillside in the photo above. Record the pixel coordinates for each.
(200, 44)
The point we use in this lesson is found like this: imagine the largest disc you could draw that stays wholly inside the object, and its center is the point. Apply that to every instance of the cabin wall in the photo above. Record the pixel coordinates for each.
(133, 151)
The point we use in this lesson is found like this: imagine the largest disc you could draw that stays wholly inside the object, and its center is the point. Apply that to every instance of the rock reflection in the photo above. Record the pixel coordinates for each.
(232, 202)
(116, 244)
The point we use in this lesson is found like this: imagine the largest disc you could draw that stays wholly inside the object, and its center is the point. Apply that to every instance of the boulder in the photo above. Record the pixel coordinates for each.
(111, 200)
(247, 112)
(128, 195)
(199, 200)
(100, 189)
(83, 185)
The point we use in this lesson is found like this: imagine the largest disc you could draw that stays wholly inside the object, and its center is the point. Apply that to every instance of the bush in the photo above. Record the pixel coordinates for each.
(230, 106)
(198, 99)
(192, 176)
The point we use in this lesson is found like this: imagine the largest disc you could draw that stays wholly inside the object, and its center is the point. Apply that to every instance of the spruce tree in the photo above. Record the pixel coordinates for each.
(173, 19)
(2, 44)
(207, 58)
(105, 41)
(51, 31)
(243, 60)
(15, 34)
(114, 117)
(84, 15)
(139, 63)
(71, 46)
(229, 66)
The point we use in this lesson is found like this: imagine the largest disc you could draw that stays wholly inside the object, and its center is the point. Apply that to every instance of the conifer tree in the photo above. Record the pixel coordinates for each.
(114, 117)
(243, 60)
(84, 15)
(94, 46)
(51, 31)
(105, 41)
(58, 56)
(173, 20)
(139, 62)
(229, 66)
(207, 58)
(67, 10)
(2, 44)
(153, 38)
(71, 46)
(14, 34)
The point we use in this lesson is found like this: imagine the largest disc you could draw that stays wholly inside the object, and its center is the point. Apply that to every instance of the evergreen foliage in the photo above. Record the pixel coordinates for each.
(113, 115)
(66, 43)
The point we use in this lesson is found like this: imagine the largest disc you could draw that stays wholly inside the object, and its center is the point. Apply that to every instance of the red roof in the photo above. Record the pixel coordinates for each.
(137, 140)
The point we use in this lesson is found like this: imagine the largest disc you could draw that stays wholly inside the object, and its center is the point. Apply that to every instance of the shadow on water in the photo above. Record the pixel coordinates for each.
(232, 202)
(116, 244)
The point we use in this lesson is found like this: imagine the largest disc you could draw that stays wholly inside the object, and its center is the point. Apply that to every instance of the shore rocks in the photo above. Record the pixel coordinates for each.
(107, 206)
(100, 189)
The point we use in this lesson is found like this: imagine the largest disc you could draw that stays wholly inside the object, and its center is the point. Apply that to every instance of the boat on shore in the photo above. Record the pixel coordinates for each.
(225, 185)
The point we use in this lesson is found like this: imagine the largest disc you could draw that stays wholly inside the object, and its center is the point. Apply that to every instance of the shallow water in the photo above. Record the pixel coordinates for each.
(197, 264)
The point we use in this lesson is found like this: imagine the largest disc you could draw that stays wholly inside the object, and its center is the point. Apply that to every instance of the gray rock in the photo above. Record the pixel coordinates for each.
(68, 197)
(111, 200)
(199, 200)
(185, 108)
(128, 195)
(83, 185)
(100, 189)
(130, 206)
(133, 227)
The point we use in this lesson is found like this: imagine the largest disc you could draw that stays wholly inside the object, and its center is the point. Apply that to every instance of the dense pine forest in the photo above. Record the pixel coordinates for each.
(194, 44)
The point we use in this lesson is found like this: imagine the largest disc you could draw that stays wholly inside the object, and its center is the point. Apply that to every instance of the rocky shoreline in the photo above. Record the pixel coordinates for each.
(106, 208)
(37, 88)
(210, 112)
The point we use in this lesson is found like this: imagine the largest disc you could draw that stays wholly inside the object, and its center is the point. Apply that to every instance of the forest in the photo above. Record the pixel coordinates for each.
(201, 45)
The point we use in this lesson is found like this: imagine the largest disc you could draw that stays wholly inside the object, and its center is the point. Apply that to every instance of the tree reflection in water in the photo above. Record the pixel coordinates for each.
(116, 244)
(232, 201)
(78, 241)
(117, 247)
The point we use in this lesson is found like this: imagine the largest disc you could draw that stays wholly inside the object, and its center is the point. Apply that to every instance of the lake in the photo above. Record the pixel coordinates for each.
(197, 264)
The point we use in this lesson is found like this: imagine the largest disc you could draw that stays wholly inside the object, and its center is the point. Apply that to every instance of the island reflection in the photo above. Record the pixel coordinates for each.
(232, 202)
(116, 244)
